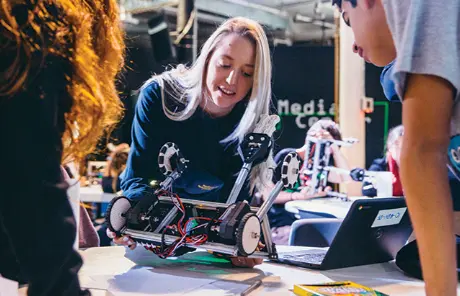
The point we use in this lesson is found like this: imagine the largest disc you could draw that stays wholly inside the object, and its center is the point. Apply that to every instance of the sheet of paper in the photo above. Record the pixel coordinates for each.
(148, 281)
(100, 282)
(196, 273)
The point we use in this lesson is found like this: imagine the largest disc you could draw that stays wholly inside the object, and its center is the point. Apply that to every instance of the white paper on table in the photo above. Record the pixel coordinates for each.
(194, 273)
(95, 282)
(145, 281)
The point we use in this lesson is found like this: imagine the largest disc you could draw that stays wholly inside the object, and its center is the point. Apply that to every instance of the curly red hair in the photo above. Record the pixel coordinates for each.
(87, 34)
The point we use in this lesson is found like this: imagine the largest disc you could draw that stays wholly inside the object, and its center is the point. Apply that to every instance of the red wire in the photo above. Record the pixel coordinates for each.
(182, 229)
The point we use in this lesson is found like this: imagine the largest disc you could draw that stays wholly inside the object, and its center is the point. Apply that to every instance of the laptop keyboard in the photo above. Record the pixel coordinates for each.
(312, 258)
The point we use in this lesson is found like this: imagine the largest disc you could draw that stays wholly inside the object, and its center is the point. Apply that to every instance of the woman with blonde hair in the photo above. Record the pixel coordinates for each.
(57, 97)
(206, 110)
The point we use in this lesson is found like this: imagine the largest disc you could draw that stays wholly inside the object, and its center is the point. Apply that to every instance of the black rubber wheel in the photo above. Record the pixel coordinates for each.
(116, 214)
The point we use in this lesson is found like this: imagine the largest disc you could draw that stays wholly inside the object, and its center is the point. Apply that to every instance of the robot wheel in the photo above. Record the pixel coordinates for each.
(248, 234)
(290, 170)
(116, 213)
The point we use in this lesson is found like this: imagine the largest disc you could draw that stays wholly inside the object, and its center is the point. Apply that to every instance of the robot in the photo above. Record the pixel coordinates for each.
(171, 226)
(316, 167)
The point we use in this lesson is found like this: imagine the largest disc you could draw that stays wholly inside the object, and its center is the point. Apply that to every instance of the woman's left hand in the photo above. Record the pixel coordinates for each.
(246, 262)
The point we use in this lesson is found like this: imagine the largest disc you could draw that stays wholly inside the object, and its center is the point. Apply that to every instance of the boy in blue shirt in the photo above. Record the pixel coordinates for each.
(425, 38)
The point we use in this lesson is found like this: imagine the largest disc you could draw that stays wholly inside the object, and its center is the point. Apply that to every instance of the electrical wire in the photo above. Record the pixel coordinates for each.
(186, 238)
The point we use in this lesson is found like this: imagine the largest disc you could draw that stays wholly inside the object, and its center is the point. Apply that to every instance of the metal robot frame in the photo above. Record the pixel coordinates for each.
(238, 229)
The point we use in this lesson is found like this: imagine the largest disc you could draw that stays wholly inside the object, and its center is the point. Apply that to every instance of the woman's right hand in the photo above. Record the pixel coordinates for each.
(122, 240)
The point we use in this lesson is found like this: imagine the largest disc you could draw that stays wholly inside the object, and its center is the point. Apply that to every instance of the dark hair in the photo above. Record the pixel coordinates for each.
(119, 161)
(339, 3)
(84, 33)
(117, 166)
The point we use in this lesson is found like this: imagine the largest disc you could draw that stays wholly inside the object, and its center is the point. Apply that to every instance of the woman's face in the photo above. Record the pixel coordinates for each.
(230, 72)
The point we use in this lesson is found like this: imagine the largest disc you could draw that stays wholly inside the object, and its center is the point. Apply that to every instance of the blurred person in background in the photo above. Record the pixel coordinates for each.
(280, 219)
(389, 163)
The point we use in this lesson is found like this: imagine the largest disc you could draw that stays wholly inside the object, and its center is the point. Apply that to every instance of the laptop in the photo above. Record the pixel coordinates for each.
(373, 231)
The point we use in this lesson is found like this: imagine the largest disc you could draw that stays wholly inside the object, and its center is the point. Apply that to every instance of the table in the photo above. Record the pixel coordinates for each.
(329, 205)
(94, 193)
(111, 271)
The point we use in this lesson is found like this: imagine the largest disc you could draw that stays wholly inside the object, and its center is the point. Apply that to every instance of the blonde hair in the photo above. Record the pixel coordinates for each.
(187, 85)
(86, 35)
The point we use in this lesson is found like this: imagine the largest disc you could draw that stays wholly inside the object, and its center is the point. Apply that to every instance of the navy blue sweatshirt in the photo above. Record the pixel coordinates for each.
(213, 166)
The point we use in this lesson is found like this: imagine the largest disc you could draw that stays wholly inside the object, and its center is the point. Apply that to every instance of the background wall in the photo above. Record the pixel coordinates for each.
(303, 90)
(385, 116)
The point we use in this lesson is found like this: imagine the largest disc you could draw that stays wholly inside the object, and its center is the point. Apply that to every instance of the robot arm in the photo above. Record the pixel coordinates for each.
(171, 163)
(254, 149)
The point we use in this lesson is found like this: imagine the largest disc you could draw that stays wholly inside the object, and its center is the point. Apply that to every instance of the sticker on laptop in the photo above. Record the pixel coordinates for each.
(389, 217)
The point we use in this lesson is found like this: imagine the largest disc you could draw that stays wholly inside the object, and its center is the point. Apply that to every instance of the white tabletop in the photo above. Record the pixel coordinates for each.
(143, 273)
(94, 193)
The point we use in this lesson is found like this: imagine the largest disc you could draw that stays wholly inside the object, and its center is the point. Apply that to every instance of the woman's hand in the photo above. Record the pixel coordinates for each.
(245, 261)
(121, 240)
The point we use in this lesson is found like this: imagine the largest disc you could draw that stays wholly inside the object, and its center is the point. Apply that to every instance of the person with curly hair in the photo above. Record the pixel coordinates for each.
(58, 68)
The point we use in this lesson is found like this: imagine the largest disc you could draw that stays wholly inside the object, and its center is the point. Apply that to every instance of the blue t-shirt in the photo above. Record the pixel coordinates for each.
(387, 83)
(213, 166)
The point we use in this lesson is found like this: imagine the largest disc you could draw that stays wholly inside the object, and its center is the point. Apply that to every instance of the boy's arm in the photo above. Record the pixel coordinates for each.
(427, 108)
